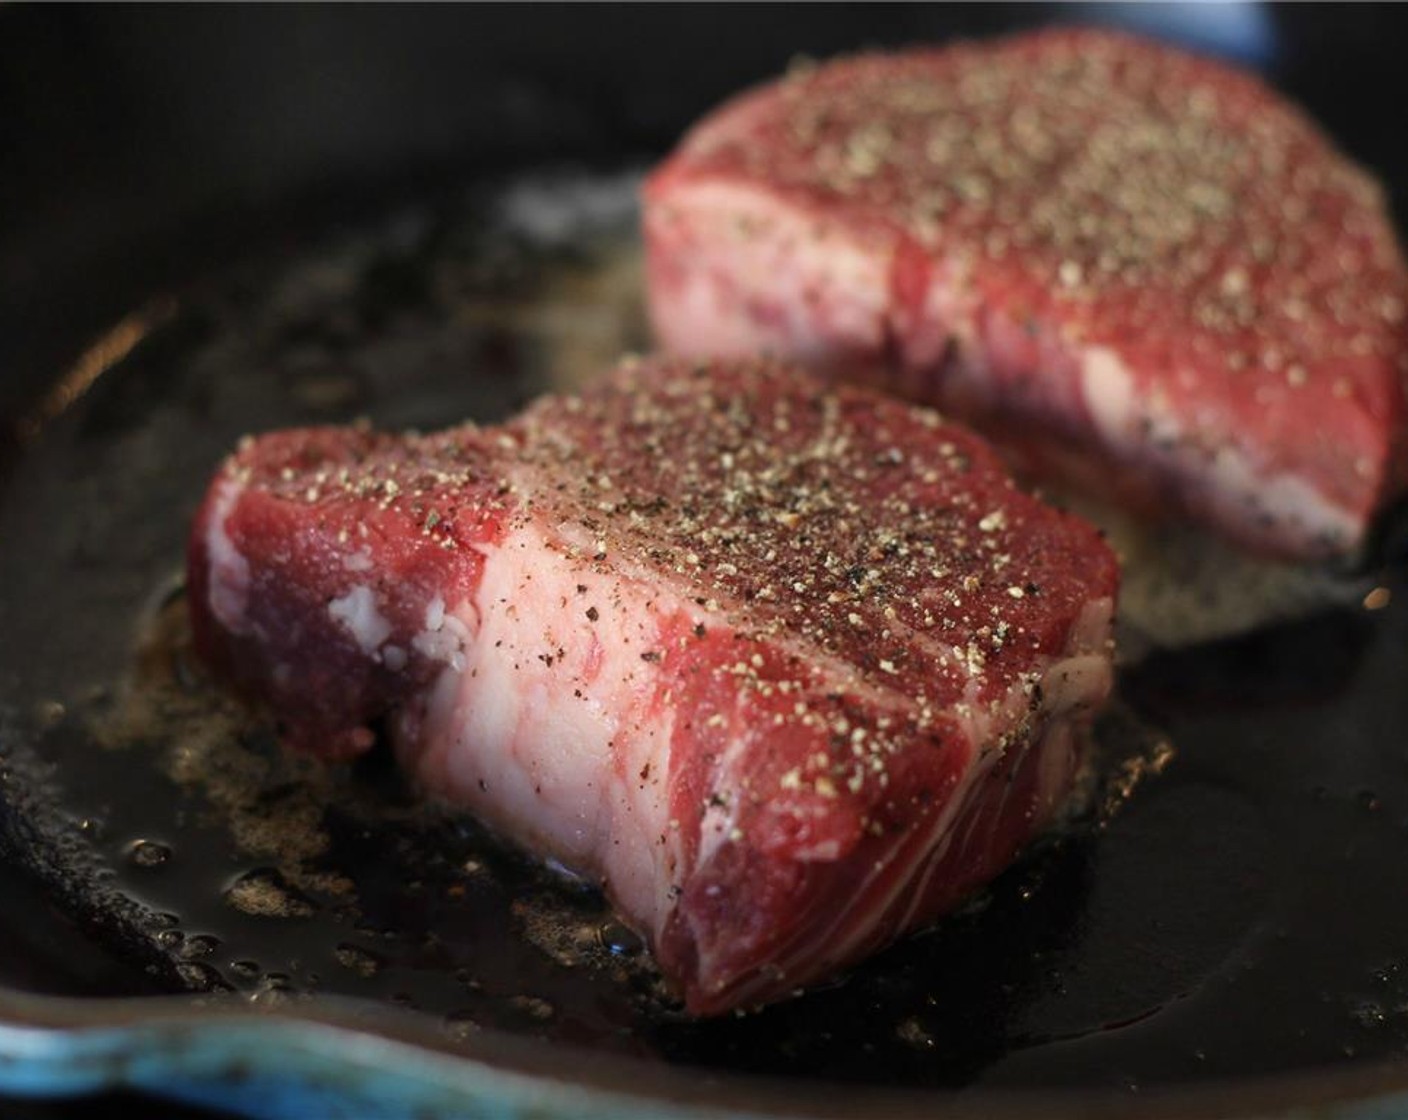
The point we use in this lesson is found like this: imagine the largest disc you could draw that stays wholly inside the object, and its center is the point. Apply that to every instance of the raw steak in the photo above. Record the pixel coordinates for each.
(1134, 267)
(789, 670)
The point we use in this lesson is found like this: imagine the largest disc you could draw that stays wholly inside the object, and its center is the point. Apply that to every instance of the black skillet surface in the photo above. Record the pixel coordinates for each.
(1240, 915)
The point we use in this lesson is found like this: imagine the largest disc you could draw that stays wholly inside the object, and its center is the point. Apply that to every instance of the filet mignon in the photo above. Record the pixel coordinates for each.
(789, 670)
(1133, 267)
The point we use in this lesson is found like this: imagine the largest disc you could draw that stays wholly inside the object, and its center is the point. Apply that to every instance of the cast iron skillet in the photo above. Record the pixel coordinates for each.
(223, 222)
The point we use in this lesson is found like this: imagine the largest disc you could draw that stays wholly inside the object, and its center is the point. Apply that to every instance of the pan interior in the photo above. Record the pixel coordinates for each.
(1229, 904)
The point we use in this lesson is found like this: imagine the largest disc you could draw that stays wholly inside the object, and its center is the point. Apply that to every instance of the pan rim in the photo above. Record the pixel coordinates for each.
(516, 1070)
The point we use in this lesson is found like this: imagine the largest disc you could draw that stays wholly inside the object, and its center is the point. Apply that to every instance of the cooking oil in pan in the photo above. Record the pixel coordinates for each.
(1227, 902)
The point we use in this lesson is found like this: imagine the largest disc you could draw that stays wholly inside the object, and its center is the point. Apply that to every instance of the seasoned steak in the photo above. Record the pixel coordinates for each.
(789, 670)
(1136, 268)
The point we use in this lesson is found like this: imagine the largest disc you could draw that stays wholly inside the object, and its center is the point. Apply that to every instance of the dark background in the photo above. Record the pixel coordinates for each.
(140, 146)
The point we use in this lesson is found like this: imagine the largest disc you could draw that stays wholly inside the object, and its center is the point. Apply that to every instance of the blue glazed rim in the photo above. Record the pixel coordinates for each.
(338, 1058)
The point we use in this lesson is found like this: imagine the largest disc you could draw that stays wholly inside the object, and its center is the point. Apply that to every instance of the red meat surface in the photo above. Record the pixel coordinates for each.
(1136, 268)
(788, 669)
